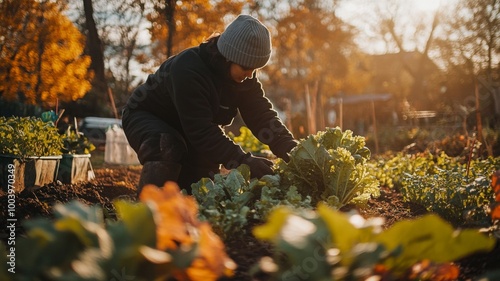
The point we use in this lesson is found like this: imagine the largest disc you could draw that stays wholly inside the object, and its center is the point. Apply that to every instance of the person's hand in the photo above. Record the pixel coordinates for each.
(291, 145)
(285, 148)
(259, 166)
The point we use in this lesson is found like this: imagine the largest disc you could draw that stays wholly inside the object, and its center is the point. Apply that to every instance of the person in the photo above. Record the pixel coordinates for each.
(175, 119)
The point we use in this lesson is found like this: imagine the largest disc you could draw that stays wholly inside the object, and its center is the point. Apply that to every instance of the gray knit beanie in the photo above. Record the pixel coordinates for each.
(246, 41)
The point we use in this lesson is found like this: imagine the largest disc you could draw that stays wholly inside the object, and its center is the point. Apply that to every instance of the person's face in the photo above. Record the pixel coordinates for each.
(240, 73)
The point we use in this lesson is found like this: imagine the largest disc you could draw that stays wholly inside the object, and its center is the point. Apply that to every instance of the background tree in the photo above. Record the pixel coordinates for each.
(471, 55)
(115, 29)
(413, 38)
(470, 50)
(125, 48)
(97, 101)
(41, 58)
(313, 49)
(94, 48)
(170, 19)
(193, 20)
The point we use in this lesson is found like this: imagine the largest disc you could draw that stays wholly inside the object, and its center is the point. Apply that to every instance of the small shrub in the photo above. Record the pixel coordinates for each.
(457, 191)
(75, 142)
(29, 136)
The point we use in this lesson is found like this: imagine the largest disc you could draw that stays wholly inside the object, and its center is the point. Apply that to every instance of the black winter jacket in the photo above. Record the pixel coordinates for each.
(192, 95)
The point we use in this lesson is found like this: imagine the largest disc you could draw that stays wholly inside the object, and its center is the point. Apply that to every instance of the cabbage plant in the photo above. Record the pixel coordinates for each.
(331, 167)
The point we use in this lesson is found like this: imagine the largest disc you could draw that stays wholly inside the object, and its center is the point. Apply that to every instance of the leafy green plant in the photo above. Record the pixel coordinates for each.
(250, 143)
(229, 201)
(330, 245)
(75, 142)
(389, 169)
(224, 202)
(29, 136)
(272, 195)
(446, 185)
(330, 166)
(461, 194)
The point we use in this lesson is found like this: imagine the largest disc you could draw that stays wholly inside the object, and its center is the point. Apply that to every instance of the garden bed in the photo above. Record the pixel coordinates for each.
(119, 182)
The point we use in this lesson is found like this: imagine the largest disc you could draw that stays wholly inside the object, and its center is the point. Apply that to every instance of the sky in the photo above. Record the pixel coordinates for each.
(360, 12)
(363, 14)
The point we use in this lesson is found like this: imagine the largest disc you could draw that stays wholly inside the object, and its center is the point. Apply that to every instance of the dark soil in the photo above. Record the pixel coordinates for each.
(119, 182)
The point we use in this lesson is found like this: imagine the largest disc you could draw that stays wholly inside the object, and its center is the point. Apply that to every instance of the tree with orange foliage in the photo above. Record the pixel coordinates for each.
(176, 25)
(40, 54)
(315, 55)
(310, 45)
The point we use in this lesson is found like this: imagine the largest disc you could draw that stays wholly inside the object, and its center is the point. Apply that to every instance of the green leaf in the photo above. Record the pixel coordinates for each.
(272, 228)
(139, 222)
(85, 232)
(234, 182)
(45, 247)
(77, 209)
(430, 237)
(344, 234)
(310, 164)
(244, 169)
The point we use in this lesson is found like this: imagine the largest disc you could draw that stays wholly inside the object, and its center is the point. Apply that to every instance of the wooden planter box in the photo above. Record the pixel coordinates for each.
(33, 172)
(75, 168)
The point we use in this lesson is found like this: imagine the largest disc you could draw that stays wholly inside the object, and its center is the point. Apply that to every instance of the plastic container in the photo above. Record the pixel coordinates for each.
(118, 150)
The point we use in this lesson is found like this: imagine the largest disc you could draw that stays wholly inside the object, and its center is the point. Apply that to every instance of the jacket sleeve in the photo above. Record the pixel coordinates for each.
(260, 117)
(192, 91)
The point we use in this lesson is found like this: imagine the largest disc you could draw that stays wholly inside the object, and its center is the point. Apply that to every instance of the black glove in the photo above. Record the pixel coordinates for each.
(284, 148)
(259, 166)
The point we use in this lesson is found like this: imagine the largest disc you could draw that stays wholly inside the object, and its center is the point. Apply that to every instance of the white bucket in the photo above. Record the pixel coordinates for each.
(117, 149)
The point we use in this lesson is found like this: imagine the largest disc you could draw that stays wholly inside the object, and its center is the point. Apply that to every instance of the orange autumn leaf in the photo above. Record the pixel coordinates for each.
(380, 269)
(212, 261)
(446, 272)
(175, 214)
(495, 182)
(495, 185)
(495, 212)
(427, 270)
(178, 226)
